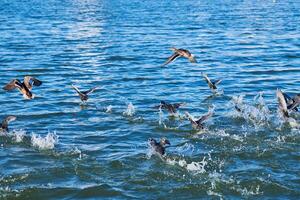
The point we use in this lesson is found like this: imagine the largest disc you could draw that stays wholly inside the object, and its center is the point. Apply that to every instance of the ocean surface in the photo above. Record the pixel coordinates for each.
(59, 148)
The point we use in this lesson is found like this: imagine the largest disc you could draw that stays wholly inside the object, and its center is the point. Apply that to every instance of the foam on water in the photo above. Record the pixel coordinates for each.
(257, 114)
(109, 109)
(194, 167)
(44, 143)
(160, 116)
(130, 111)
(18, 135)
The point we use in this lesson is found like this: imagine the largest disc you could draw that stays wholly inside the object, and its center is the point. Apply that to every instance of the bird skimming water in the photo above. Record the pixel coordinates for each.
(24, 87)
(84, 94)
(159, 147)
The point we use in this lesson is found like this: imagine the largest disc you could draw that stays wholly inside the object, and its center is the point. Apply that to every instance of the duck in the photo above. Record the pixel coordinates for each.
(24, 87)
(180, 53)
(159, 147)
(5, 122)
(198, 124)
(171, 108)
(84, 94)
(211, 84)
(292, 102)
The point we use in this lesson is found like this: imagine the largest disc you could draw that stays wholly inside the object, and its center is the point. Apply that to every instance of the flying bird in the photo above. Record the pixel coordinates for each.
(5, 122)
(84, 94)
(171, 108)
(211, 84)
(198, 123)
(24, 87)
(180, 53)
(159, 147)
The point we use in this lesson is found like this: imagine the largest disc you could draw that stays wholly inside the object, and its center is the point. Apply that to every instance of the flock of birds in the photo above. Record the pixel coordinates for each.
(286, 104)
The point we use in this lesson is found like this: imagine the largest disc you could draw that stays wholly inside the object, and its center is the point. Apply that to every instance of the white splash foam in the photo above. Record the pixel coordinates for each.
(130, 111)
(195, 167)
(160, 116)
(249, 192)
(47, 142)
(280, 139)
(109, 109)
(257, 114)
(18, 135)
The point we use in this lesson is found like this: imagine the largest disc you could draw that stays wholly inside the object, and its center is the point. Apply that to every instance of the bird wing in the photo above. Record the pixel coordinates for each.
(15, 83)
(177, 105)
(217, 82)
(205, 117)
(210, 84)
(90, 91)
(171, 58)
(190, 118)
(295, 104)
(29, 81)
(7, 120)
(282, 103)
(76, 89)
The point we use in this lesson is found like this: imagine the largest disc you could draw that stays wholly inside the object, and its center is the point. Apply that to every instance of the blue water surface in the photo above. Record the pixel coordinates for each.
(59, 148)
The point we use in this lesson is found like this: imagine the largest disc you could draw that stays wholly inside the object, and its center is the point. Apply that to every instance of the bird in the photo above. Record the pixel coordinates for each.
(296, 103)
(24, 87)
(84, 94)
(198, 123)
(5, 122)
(180, 53)
(159, 147)
(211, 84)
(282, 104)
(171, 108)
(292, 103)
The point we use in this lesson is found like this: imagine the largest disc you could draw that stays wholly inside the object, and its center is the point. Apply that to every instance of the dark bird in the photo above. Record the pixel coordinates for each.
(180, 53)
(159, 147)
(198, 123)
(211, 84)
(5, 122)
(84, 94)
(292, 103)
(171, 108)
(282, 104)
(295, 104)
(24, 87)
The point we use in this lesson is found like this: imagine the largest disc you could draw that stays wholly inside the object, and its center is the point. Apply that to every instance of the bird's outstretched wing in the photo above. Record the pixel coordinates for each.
(76, 89)
(171, 58)
(90, 91)
(205, 117)
(282, 105)
(15, 83)
(29, 81)
(210, 84)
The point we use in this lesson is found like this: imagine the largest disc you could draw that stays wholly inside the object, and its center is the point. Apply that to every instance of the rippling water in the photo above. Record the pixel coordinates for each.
(58, 148)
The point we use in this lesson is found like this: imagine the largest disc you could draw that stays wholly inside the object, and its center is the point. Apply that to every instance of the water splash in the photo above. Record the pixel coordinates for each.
(194, 167)
(109, 109)
(130, 111)
(257, 114)
(18, 135)
(44, 143)
(160, 116)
